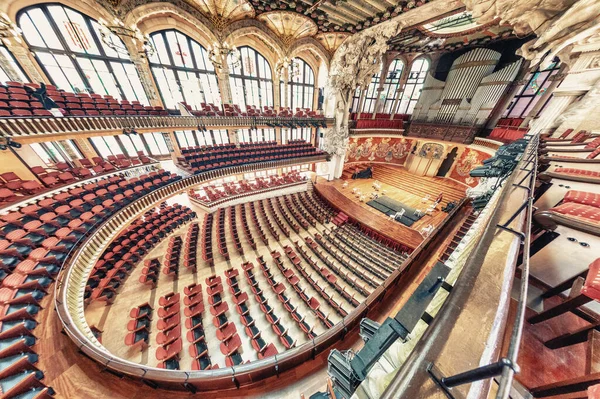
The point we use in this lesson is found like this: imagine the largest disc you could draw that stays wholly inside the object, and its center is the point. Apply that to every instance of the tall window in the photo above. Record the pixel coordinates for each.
(52, 152)
(355, 100)
(301, 85)
(69, 47)
(4, 75)
(183, 71)
(391, 84)
(529, 94)
(251, 80)
(371, 93)
(256, 135)
(414, 84)
(304, 133)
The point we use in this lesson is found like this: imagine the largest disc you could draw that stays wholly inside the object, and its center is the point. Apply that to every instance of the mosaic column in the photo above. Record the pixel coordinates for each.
(140, 61)
(19, 49)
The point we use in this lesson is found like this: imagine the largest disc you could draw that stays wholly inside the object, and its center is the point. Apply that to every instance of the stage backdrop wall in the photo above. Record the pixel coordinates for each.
(379, 149)
(467, 161)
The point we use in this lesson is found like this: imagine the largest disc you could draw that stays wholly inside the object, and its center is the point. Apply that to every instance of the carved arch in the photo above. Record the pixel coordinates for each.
(310, 44)
(87, 7)
(154, 17)
(252, 27)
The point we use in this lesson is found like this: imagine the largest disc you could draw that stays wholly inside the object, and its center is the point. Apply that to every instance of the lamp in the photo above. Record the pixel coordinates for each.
(219, 53)
(119, 29)
(6, 142)
(284, 64)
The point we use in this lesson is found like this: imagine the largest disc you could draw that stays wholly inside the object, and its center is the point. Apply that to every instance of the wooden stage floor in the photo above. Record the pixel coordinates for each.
(343, 199)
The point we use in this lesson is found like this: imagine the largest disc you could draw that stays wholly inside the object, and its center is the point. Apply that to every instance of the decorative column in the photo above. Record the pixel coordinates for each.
(276, 91)
(137, 54)
(17, 46)
(286, 87)
(218, 56)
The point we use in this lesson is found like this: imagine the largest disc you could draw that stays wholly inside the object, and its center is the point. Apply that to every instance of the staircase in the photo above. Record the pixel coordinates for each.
(340, 219)
(462, 231)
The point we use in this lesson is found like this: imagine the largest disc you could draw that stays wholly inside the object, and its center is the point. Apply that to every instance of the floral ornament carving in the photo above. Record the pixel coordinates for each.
(353, 64)
(558, 24)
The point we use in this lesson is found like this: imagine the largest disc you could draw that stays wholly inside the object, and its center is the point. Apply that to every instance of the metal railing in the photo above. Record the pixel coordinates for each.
(507, 366)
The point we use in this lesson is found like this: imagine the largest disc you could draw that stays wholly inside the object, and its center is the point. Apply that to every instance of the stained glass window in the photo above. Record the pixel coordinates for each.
(74, 55)
(183, 71)
(250, 79)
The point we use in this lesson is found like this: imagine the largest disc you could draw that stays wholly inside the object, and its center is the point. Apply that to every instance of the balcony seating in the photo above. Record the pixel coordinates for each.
(35, 242)
(16, 101)
(212, 194)
(205, 158)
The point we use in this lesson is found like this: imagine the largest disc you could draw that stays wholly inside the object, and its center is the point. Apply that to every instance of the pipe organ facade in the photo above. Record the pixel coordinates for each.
(471, 90)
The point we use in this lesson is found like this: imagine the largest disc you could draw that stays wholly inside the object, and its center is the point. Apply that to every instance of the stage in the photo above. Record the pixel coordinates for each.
(343, 199)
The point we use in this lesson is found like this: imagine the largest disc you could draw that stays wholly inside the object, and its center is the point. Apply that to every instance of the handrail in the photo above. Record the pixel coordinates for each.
(429, 347)
(44, 127)
(71, 284)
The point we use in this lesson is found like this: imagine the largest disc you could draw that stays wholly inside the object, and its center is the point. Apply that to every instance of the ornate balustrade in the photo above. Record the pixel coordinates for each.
(463, 134)
(30, 129)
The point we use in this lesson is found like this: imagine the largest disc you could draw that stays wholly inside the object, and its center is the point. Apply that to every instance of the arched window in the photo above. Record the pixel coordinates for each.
(301, 87)
(4, 74)
(414, 84)
(391, 84)
(71, 50)
(250, 79)
(371, 93)
(530, 93)
(182, 70)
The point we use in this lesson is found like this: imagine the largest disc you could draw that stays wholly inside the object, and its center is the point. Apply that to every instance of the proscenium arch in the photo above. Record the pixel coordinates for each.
(153, 17)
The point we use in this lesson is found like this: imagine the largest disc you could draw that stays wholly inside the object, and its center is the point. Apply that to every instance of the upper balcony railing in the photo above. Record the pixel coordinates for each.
(42, 127)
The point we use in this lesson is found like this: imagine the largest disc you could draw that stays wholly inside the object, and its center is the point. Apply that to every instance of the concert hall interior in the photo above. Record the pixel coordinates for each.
(311, 199)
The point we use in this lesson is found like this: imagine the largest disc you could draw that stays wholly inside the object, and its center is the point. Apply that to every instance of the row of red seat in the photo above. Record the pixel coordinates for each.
(580, 204)
(169, 335)
(246, 228)
(207, 252)
(191, 247)
(279, 290)
(173, 256)
(131, 245)
(268, 204)
(291, 222)
(150, 272)
(221, 241)
(234, 234)
(267, 221)
(312, 302)
(329, 277)
(13, 188)
(139, 326)
(213, 192)
(198, 349)
(257, 224)
(226, 330)
(276, 323)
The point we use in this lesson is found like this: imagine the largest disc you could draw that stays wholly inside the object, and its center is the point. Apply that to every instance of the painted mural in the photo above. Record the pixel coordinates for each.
(432, 151)
(468, 160)
(378, 149)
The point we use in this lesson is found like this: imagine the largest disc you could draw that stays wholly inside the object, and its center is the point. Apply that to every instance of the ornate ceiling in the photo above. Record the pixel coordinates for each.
(330, 22)
(449, 33)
